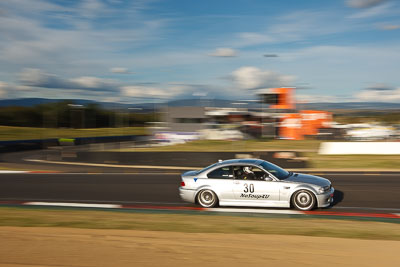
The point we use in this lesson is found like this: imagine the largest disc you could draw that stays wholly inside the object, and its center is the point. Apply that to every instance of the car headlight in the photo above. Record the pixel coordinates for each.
(324, 189)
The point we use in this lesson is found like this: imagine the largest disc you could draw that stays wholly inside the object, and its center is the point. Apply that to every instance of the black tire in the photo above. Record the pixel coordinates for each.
(207, 198)
(304, 200)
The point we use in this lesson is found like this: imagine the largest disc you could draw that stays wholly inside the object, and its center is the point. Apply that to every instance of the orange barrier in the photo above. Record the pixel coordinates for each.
(312, 120)
(290, 127)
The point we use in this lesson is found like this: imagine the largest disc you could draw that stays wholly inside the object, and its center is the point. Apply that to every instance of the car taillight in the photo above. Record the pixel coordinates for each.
(182, 183)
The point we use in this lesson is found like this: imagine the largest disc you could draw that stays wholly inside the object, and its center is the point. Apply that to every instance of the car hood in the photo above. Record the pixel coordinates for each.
(307, 178)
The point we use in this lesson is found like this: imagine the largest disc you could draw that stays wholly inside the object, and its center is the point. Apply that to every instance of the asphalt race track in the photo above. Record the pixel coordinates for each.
(354, 192)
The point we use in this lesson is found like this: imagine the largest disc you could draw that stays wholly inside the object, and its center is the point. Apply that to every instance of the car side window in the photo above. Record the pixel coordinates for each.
(221, 173)
(248, 173)
(260, 174)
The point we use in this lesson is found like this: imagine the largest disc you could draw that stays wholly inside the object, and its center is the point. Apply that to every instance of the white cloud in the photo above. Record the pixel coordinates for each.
(111, 99)
(94, 83)
(389, 27)
(252, 78)
(34, 76)
(141, 91)
(254, 38)
(294, 26)
(41, 79)
(44, 34)
(224, 52)
(91, 8)
(343, 70)
(120, 70)
(363, 3)
(9, 90)
(3, 89)
(375, 11)
(379, 95)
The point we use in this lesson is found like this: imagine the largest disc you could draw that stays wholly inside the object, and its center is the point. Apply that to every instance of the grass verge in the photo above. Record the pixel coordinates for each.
(191, 223)
(8, 133)
(239, 145)
(361, 162)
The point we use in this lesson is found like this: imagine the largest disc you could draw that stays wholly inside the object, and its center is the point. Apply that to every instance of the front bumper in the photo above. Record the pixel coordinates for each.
(187, 195)
(325, 199)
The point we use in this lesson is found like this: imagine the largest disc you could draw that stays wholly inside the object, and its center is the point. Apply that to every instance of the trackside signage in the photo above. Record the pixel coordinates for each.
(360, 148)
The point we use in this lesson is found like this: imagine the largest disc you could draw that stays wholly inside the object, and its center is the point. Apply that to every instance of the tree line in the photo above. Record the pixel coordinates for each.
(387, 117)
(66, 114)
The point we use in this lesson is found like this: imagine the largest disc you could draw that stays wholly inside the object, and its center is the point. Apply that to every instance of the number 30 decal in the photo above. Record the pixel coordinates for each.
(248, 188)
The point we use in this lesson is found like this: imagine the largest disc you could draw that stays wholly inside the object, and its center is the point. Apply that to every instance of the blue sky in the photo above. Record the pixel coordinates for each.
(135, 51)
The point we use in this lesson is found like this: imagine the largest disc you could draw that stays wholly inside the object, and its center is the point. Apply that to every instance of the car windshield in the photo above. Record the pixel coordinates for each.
(277, 171)
(207, 168)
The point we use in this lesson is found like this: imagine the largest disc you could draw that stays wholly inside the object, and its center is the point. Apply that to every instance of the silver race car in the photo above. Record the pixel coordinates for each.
(255, 183)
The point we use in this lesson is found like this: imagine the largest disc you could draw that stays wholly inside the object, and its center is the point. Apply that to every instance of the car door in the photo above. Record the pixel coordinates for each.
(221, 181)
(254, 190)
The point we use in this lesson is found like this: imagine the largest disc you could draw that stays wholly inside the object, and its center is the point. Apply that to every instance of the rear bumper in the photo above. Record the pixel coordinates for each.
(325, 199)
(187, 195)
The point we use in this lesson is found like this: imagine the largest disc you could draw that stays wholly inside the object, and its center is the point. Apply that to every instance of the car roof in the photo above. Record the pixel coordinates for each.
(241, 161)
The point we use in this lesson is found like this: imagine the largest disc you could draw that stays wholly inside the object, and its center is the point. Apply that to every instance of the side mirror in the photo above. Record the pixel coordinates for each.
(268, 178)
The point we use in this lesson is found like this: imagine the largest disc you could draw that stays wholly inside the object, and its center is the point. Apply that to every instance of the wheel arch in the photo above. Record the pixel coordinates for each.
(303, 187)
(198, 190)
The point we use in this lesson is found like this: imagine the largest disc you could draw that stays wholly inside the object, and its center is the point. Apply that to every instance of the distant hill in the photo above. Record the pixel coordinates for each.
(25, 102)
(28, 102)
(223, 103)
(350, 105)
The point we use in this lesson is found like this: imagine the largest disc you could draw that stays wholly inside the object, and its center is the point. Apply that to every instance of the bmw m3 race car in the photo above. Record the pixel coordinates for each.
(255, 183)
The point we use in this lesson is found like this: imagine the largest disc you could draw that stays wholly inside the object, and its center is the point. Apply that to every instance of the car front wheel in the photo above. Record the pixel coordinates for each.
(303, 200)
(207, 198)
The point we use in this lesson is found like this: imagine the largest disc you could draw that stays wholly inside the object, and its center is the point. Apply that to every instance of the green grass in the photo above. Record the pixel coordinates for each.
(25, 133)
(29, 217)
(367, 162)
(241, 145)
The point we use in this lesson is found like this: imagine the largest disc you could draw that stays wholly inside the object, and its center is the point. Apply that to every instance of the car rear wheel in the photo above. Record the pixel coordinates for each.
(303, 200)
(207, 198)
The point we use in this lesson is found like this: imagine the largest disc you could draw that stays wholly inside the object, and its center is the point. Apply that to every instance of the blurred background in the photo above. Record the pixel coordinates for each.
(214, 75)
(105, 103)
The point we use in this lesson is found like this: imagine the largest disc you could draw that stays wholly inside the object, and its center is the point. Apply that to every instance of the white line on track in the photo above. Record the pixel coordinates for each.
(255, 211)
(93, 201)
(5, 172)
(113, 165)
(117, 206)
(80, 205)
(367, 208)
(154, 203)
(102, 173)
(359, 174)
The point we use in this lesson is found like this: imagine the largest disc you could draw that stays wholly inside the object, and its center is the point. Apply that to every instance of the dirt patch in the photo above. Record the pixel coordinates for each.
(32, 246)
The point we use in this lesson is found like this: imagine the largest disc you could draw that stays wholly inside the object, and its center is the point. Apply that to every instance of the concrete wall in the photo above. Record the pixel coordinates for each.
(360, 148)
(187, 159)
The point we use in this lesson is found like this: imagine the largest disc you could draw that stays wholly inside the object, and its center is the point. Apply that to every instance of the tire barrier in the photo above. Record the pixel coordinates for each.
(23, 145)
